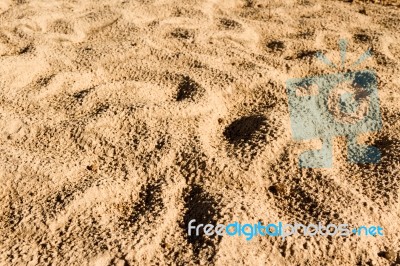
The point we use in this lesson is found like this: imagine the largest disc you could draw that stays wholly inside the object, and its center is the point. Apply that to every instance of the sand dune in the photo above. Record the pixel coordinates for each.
(122, 120)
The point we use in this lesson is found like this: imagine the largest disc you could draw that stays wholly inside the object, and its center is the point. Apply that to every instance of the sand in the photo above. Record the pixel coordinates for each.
(122, 120)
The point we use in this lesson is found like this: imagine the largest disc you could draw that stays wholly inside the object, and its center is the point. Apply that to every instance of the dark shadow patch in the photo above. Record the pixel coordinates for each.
(307, 34)
(306, 54)
(276, 46)
(188, 89)
(248, 3)
(101, 109)
(363, 38)
(306, 3)
(382, 59)
(161, 143)
(229, 24)
(150, 203)
(383, 185)
(202, 207)
(246, 129)
(247, 137)
(196, 64)
(183, 34)
(80, 95)
(391, 256)
(278, 189)
(26, 49)
(363, 11)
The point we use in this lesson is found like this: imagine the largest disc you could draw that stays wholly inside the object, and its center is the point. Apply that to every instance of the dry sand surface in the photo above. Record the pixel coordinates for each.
(121, 120)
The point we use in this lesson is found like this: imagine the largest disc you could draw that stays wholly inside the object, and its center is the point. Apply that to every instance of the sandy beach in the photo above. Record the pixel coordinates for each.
(123, 120)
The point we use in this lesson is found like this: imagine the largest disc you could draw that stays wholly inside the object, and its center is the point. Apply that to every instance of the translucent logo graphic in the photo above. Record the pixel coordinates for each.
(340, 104)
